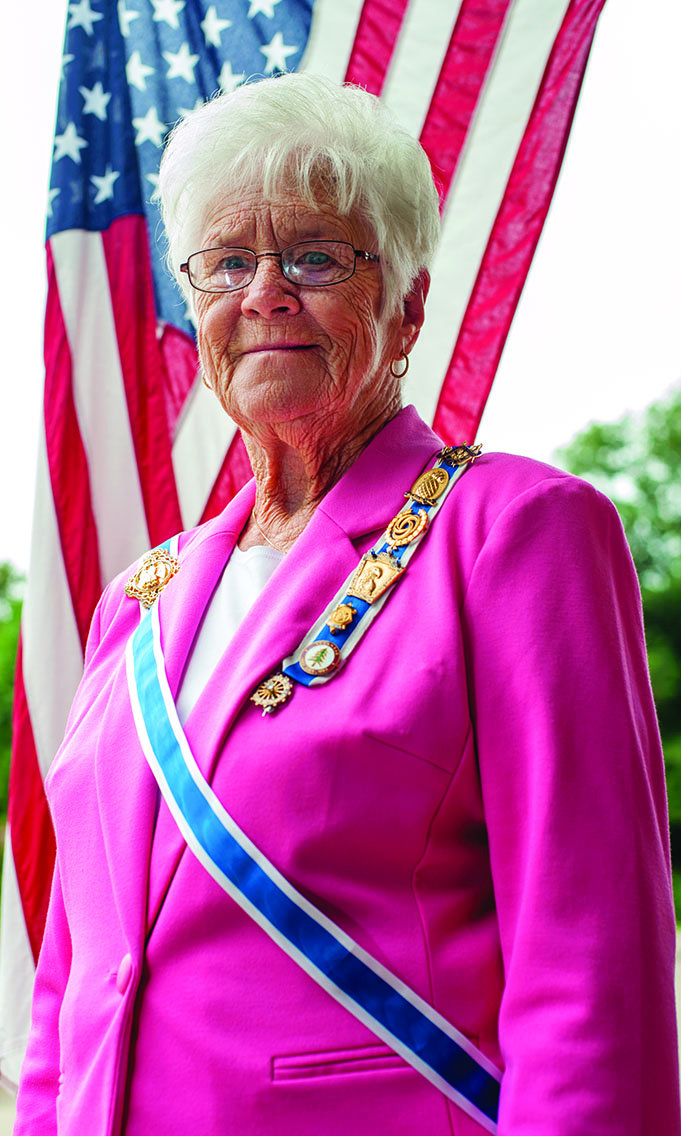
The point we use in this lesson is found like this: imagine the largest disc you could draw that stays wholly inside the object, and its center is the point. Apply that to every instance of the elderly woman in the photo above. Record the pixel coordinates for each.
(360, 811)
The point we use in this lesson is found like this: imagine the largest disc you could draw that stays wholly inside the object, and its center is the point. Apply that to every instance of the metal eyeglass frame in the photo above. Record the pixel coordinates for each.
(359, 254)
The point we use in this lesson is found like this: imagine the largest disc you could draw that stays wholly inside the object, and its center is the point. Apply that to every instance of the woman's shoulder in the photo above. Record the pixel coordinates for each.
(498, 481)
(501, 473)
(509, 502)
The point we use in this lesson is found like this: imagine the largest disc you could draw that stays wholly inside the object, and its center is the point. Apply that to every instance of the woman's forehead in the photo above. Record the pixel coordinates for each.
(284, 219)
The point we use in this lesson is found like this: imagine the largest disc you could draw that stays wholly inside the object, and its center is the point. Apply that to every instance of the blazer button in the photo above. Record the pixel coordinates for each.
(124, 974)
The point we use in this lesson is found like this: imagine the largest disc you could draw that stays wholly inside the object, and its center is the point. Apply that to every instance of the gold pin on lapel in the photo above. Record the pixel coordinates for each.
(273, 692)
(154, 573)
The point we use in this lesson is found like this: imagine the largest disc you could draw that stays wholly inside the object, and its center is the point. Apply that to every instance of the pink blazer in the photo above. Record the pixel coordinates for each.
(477, 798)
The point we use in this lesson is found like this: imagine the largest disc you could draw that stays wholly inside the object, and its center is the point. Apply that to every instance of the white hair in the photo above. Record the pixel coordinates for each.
(323, 141)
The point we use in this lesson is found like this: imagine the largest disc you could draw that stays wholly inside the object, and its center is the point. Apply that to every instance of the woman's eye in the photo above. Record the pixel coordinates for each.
(230, 264)
(314, 258)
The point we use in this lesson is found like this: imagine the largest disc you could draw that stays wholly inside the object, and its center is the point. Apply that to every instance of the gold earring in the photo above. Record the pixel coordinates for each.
(400, 374)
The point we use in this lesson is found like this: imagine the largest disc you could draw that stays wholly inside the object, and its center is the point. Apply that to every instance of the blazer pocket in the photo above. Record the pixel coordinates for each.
(335, 1062)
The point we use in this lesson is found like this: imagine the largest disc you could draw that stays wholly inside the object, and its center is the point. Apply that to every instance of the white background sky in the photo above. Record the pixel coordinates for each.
(597, 331)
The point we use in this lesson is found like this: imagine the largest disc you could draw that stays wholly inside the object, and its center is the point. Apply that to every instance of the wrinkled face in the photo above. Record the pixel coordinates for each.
(275, 351)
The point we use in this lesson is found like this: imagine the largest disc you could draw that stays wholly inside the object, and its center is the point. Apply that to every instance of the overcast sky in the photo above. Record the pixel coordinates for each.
(598, 328)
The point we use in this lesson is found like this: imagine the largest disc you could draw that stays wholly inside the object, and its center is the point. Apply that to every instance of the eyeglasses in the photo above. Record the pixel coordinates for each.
(314, 264)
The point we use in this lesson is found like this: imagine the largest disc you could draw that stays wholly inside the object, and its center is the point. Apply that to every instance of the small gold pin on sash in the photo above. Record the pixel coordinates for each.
(320, 657)
(374, 576)
(429, 486)
(405, 527)
(460, 455)
(341, 617)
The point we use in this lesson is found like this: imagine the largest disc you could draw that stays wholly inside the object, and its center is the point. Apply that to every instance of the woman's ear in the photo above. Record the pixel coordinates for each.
(413, 309)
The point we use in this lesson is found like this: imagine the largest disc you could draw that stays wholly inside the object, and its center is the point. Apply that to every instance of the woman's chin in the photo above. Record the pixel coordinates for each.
(276, 393)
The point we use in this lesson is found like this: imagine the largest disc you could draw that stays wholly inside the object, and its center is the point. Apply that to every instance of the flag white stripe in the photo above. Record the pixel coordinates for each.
(16, 972)
(332, 34)
(52, 654)
(416, 63)
(478, 188)
(100, 399)
(203, 437)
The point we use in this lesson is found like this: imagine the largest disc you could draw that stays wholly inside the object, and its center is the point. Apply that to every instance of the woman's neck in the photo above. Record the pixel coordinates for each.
(294, 468)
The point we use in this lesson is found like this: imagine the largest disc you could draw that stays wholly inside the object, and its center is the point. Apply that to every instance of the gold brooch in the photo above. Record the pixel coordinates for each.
(156, 570)
(273, 692)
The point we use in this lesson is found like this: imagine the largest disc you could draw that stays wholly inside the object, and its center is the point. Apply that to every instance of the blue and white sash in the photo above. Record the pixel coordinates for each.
(389, 1008)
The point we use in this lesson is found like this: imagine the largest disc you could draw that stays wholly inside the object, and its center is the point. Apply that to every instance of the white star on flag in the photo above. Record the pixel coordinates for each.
(184, 111)
(153, 178)
(82, 16)
(149, 128)
(96, 100)
(104, 185)
(264, 6)
(125, 18)
(213, 27)
(276, 52)
(68, 144)
(167, 10)
(181, 63)
(136, 72)
(65, 60)
(229, 79)
(51, 194)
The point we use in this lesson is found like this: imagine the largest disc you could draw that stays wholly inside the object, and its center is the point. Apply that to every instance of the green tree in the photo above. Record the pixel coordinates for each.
(10, 615)
(636, 462)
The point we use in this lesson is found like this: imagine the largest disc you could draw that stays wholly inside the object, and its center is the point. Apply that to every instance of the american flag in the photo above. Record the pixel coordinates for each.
(133, 447)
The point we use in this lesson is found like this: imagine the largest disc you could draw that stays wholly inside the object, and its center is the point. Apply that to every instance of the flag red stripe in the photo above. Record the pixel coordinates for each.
(67, 462)
(126, 252)
(516, 230)
(181, 365)
(33, 845)
(375, 39)
(456, 93)
(234, 473)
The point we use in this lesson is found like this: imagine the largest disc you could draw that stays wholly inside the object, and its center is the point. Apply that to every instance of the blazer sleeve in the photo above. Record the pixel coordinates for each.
(40, 1071)
(39, 1083)
(573, 786)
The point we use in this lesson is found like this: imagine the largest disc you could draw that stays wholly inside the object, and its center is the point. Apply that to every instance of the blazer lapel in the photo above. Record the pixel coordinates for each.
(183, 603)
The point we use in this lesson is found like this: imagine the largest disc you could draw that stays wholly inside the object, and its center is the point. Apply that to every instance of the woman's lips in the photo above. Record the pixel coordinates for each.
(279, 347)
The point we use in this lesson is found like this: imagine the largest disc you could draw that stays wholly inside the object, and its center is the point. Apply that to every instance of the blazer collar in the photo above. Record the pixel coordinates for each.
(203, 555)
(372, 491)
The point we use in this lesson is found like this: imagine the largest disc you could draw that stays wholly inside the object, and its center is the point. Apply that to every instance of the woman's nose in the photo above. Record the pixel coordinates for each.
(270, 294)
